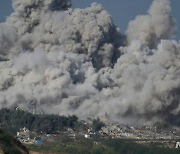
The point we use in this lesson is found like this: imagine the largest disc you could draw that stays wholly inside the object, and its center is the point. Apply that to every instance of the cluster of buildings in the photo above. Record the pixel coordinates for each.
(117, 130)
(141, 134)
(26, 136)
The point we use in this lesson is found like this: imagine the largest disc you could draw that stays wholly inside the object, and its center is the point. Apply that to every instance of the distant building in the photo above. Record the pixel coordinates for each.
(23, 135)
(87, 136)
(177, 145)
(38, 141)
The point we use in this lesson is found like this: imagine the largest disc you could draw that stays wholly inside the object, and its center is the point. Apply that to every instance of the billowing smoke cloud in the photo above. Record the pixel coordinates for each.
(151, 28)
(83, 31)
(8, 38)
(75, 61)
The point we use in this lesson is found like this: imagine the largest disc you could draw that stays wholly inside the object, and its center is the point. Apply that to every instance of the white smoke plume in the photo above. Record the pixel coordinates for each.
(75, 61)
(8, 38)
(87, 31)
(156, 25)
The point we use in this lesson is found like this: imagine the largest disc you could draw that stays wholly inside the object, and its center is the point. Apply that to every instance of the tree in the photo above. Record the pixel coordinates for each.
(97, 125)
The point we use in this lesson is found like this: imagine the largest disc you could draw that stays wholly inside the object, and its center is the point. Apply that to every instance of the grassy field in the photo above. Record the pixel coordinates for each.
(111, 146)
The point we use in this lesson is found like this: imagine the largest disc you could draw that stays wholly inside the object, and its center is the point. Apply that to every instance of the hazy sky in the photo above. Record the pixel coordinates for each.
(122, 10)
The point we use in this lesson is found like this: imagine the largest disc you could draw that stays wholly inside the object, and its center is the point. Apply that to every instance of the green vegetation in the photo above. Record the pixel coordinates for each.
(112, 146)
(129, 147)
(10, 145)
(97, 125)
(13, 120)
(73, 148)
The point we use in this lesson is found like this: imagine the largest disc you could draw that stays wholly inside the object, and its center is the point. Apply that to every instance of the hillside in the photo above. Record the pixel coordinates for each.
(13, 120)
(9, 145)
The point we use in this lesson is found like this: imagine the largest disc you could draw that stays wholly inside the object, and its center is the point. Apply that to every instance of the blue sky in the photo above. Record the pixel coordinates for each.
(122, 10)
